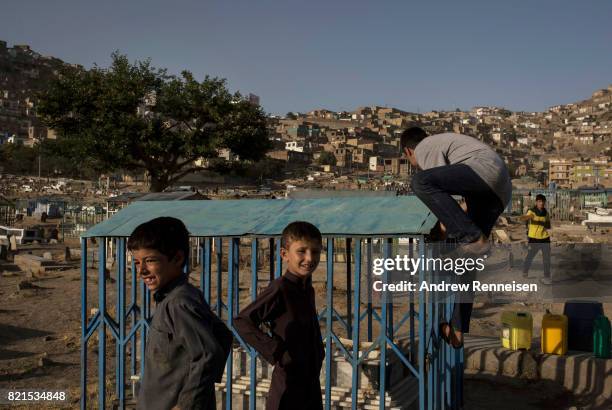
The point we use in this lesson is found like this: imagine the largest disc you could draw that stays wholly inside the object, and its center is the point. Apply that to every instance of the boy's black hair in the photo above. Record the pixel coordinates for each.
(300, 230)
(411, 137)
(164, 234)
(540, 197)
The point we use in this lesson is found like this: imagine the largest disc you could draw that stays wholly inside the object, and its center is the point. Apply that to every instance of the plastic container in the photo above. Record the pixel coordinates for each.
(601, 337)
(580, 319)
(517, 329)
(554, 334)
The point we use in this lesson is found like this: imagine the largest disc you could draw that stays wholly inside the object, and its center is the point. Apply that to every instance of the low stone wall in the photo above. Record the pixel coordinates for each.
(579, 372)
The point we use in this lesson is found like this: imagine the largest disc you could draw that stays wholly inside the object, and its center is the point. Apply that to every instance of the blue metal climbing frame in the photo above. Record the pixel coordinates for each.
(403, 329)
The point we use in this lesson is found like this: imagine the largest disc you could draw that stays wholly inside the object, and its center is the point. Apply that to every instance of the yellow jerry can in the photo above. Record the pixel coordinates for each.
(554, 334)
(517, 328)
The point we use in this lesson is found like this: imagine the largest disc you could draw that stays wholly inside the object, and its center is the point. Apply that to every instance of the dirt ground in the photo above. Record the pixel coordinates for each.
(40, 325)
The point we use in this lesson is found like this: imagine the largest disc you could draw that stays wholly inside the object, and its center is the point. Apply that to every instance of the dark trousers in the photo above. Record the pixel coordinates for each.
(435, 187)
(462, 312)
(535, 246)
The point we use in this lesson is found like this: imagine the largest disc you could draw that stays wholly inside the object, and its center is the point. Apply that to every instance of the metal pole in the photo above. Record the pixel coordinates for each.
(413, 347)
(237, 275)
(369, 276)
(329, 321)
(133, 312)
(271, 246)
(232, 252)
(219, 250)
(205, 280)
(121, 312)
(356, 317)
(84, 323)
(347, 255)
(252, 352)
(384, 333)
(102, 328)
(279, 262)
(422, 295)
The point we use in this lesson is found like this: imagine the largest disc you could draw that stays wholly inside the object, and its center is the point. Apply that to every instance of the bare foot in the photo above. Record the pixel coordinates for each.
(452, 336)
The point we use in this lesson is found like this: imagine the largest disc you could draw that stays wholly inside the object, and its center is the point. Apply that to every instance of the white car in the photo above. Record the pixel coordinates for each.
(26, 188)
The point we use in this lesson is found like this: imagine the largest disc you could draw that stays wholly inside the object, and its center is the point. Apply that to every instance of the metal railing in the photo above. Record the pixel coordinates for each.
(401, 327)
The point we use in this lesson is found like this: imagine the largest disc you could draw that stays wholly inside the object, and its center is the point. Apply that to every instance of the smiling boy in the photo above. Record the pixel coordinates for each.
(184, 355)
(294, 345)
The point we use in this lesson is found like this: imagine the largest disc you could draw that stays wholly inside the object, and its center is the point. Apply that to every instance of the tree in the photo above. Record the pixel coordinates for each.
(327, 158)
(137, 118)
(18, 159)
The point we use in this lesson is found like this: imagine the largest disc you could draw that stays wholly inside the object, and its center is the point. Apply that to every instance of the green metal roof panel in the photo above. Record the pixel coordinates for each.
(267, 217)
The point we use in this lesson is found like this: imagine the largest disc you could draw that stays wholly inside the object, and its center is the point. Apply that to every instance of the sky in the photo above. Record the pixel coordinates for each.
(341, 54)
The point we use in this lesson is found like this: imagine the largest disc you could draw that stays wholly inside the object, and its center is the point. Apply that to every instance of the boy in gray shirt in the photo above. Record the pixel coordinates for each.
(187, 345)
(456, 164)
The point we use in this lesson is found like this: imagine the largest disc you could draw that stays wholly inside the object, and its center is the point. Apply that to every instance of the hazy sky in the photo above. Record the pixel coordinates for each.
(341, 54)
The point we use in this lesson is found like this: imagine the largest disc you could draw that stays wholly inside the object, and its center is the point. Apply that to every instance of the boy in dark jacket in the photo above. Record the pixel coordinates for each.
(184, 355)
(294, 345)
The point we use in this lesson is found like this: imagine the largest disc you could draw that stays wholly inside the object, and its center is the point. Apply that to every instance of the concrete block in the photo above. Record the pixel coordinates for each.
(501, 361)
(32, 264)
(581, 373)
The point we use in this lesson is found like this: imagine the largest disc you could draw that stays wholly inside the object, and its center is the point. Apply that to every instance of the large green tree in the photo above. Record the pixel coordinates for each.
(134, 117)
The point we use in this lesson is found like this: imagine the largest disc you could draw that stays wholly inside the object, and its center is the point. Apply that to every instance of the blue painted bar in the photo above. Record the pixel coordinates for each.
(329, 321)
(435, 343)
(459, 398)
(448, 307)
(206, 261)
(121, 314)
(187, 262)
(236, 261)
(115, 245)
(430, 344)
(133, 312)
(347, 255)
(83, 323)
(384, 326)
(413, 346)
(356, 315)
(102, 327)
(390, 319)
(369, 281)
(219, 252)
(254, 250)
(203, 280)
(279, 261)
(271, 248)
(252, 352)
(422, 398)
(232, 252)
(143, 332)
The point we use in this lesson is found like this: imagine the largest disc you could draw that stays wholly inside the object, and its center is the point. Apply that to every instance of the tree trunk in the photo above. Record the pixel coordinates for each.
(158, 183)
